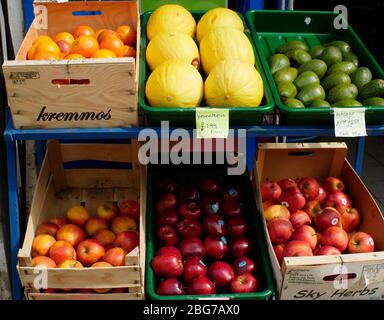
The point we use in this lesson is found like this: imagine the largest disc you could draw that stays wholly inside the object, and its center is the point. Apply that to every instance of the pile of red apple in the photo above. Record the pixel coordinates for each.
(80, 240)
(306, 218)
(202, 238)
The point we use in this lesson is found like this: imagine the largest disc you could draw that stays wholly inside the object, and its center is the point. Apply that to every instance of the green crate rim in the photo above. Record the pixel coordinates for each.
(262, 109)
(313, 111)
(261, 252)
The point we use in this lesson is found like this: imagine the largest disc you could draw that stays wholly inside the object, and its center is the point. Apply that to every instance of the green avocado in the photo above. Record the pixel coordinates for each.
(285, 75)
(310, 93)
(361, 76)
(331, 55)
(374, 88)
(278, 61)
(345, 67)
(316, 52)
(351, 57)
(298, 57)
(335, 79)
(287, 90)
(317, 66)
(305, 78)
(343, 46)
(294, 103)
(374, 102)
(342, 92)
(347, 103)
(292, 45)
(319, 103)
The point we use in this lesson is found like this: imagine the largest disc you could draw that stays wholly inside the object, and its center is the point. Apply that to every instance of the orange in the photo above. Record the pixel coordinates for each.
(85, 45)
(114, 44)
(83, 31)
(41, 38)
(106, 33)
(97, 33)
(47, 47)
(73, 56)
(32, 50)
(103, 53)
(129, 52)
(127, 34)
(64, 36)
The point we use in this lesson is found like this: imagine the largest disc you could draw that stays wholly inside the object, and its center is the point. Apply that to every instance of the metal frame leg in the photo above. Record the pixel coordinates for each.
(13, 218)
(359, 155)
(251, 153)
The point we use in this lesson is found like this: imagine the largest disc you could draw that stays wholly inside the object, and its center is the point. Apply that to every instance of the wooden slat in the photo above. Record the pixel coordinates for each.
(132, 258)
(74, 296)
(56, 163)
(143, 221)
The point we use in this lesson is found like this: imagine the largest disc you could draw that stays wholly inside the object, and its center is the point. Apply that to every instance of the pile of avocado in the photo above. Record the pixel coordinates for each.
(327, 75)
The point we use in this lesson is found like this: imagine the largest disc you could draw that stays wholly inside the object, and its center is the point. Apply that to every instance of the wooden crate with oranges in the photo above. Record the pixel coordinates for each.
(85, 237)
(77, 67)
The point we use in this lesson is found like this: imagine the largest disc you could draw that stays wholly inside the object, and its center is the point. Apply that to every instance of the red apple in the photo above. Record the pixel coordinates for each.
(243, 265)
(279, 249)
(350, 218)
(293, 199)
(189, 193)
(71, 233)
(93, 225)
(336, 237)
(269, 190)
(192, 247)
(167, 236)
(168, 217)
(328, 217)
(221, 273)
(170, 287)
(43, 262)
(233, 209)
(166, 201)
(169, 250)
(236, 227)
(297, 248)
(61, 251)
(78, 215)
(309, 187)
(276, 211)
(208, 185)
(214, 225)
(212, 205)
(165, 185)
(327, 251)
(286, 183)
(333, 184)
(307, 234)
(58, 221)
(280, 230)
(361, 242)
(47, 228)
(193, 267)
(337, 198)
(123, 223)
(231, 192)
(105, 237)
(190, 210)
(201, 285)
(216, 247)
(70, 264)
(243, 283)
(115, 257)
(322, 195)
(108, 210)
(90, 251)
(189, 229)
(167, 266)
(313, 208)
(127, 240)
(240, 247)
(299, 218)
(131, 209)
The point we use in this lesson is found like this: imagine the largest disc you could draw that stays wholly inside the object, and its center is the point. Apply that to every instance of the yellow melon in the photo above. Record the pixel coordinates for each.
(225, 44)
(166, 46)
(171, 18)
(218, 17)
(174, 83)
(234, 83)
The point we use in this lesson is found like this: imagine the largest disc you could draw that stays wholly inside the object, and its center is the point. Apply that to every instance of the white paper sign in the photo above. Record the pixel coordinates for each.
(350, 122)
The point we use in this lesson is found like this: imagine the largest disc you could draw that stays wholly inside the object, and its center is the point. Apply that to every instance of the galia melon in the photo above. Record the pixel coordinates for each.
(234, 83)
(174, 83)
(166, 46)
(225, 44)
(218, 17)
(171, 18)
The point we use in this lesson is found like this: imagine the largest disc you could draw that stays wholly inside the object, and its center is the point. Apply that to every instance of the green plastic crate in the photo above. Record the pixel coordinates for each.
(270, 29)
(149, 5)
(191, 173)
(186, 116)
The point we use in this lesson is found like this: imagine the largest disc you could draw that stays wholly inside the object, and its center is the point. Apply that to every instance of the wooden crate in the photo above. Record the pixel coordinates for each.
(324, 277)
(58, 188)
(108, 95)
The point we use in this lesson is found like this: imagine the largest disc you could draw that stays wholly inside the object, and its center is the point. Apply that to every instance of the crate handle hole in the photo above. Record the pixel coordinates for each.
(340, 277)
(308, 21)
(83, 13)
(301, 153)
(71, 82)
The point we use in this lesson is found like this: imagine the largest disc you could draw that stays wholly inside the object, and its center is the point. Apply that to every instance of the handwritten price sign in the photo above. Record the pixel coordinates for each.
(212, 123)
(350, 122)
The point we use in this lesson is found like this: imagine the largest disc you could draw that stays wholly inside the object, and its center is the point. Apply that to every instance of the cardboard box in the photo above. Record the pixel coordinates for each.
(348, 276)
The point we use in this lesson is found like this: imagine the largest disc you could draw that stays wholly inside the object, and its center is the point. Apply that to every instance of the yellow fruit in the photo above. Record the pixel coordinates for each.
(218, 17)
(174, 83)
(225, 44)
(171, 18)
(166, 46)
(234, 83)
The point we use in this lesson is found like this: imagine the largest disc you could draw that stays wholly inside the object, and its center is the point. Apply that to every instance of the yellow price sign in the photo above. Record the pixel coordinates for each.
(212, 123)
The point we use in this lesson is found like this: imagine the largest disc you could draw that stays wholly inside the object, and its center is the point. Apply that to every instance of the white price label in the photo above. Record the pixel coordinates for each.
(212, 123)
(350, 122)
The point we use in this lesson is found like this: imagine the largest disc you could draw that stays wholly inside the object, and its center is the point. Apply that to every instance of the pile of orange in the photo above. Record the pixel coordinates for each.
(84, 42)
